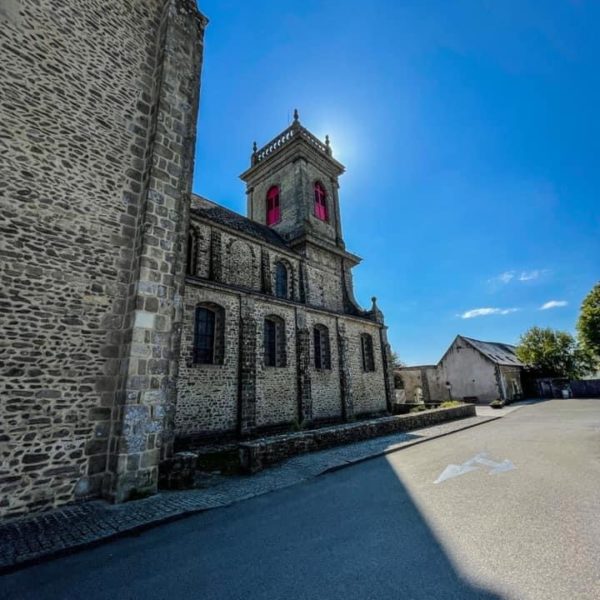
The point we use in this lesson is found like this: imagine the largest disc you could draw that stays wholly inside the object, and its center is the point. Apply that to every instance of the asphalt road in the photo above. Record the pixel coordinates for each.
(382, 529)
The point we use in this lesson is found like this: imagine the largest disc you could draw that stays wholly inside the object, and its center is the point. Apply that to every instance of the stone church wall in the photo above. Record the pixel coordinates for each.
(324, 280)
(293, 267)
(207, 394)
(326, 229)
(292, 207)
(203, 237)
(276, 387)
(241, 262)
(79, 108)
(325, 384)
(75, 122)
(368, 388)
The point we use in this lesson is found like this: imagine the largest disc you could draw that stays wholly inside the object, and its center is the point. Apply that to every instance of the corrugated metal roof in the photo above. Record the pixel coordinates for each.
(501, 354)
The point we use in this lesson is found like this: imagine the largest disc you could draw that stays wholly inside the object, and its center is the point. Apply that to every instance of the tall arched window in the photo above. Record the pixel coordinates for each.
(192, 252)
(366, 346)
(321, 202)
(281, 281)
(321, 347)
(208, 335)
(273, 211)
(274, 342)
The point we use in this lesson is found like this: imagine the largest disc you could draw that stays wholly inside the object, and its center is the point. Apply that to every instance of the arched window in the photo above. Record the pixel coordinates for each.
(366, 346)
(321, 347)
(321, 202)
(208, 334)
(273, 212)
(274, 342)
(281, 281)
(192, 252)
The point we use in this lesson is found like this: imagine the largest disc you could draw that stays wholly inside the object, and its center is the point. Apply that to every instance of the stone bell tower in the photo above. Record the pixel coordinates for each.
(292, 186)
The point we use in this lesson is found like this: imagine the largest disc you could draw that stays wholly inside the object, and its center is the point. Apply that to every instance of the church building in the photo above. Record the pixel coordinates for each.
(136, 317)
(272, 333)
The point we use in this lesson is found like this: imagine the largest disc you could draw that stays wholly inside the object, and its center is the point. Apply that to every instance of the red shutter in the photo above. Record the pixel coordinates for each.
(273, 212)
(320, 202)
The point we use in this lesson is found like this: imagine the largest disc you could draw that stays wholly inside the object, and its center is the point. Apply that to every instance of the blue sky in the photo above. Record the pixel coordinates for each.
(471, 138)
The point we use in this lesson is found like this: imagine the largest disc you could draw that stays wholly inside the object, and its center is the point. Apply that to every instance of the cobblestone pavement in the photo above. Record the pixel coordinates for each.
(31, 539)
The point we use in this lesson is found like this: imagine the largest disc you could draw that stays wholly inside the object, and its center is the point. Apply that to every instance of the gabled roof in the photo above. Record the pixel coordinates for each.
(501, 354)
(223, 216)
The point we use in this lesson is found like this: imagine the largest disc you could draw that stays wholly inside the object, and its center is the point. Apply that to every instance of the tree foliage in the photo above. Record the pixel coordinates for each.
(588, 325)
(553, 353)
(396, 360)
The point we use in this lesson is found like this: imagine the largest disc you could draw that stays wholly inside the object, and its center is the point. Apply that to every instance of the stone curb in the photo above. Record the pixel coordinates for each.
(137, 529)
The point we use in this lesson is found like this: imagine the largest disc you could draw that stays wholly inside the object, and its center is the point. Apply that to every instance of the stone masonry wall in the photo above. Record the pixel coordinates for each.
(325, 229)
(74, 128)
(324, 280)
(325, 384)
(292, 208)
(145, 429)
(368, 388)
(78, 114)
(258, 454)
(207, 394)
(276, 387)
(203, 237)
(241, 262)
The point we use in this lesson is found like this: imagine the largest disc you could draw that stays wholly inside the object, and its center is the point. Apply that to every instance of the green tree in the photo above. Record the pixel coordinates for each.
(554, 353)
(588, 324)
(396, 360)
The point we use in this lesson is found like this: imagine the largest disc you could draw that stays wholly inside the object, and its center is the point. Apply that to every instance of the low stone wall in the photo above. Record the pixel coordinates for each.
(256, 455)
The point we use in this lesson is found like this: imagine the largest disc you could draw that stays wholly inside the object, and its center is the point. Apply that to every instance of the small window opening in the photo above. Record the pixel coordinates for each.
(366, 344)
(321, 348)
(273, 211)
(281, 281)
(320, 202)
(274, 342)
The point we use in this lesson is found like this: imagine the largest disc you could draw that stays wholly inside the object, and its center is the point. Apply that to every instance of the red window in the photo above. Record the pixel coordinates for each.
(320, 202)
(273, 213)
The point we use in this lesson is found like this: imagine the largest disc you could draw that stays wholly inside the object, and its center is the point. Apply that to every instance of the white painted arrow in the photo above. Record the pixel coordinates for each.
(471, 465)
(454, 471)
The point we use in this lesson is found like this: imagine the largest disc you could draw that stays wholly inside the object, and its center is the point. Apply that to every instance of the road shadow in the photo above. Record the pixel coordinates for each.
(352, 534)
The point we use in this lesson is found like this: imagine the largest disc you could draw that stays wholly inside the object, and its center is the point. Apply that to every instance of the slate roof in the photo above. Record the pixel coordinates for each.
(501, 354)
(233, 220)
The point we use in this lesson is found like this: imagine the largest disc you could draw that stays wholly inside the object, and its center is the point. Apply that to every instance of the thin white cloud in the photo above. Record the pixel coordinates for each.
(553, 304)
(504, 278)
(513, 275)
(529, 275)
(482, 312)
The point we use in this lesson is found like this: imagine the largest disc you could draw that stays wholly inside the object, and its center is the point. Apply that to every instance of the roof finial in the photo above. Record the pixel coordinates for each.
(254, 148)
(327, 140)
(296, 117)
